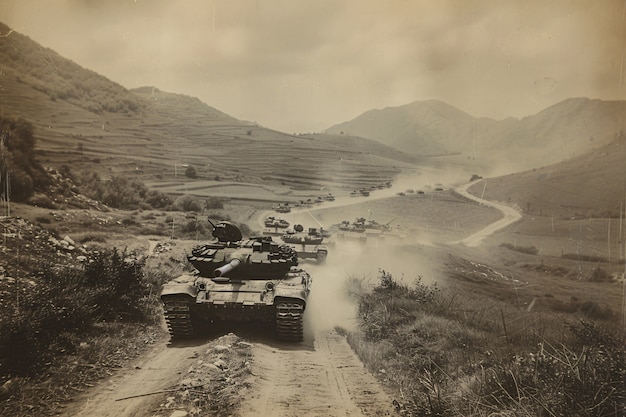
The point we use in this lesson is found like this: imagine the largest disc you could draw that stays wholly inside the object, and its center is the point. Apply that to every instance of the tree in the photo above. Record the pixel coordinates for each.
(17, 160)
(190, 172)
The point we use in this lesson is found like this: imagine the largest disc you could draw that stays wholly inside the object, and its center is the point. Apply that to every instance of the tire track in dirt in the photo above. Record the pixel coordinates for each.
(328, 380)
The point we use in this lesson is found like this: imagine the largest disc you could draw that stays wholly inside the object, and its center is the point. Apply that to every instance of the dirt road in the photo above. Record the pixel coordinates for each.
(316, 378)
(510, 216)
(328, 380)
(158, 371)
(249, 373)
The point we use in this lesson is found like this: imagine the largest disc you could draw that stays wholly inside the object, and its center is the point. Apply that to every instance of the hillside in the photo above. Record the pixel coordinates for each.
(87, 122)
(589, 185)
(559, 132)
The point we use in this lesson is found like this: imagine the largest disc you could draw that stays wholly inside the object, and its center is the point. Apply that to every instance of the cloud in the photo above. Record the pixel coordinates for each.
(303, 66)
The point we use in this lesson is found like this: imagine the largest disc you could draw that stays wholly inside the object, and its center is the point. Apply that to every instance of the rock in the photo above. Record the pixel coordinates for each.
(220, 364)
(179, 413)
(221, 348)
(69, 240)
(211, 367)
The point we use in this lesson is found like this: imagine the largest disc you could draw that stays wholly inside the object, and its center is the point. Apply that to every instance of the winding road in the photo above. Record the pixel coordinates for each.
(510, 216)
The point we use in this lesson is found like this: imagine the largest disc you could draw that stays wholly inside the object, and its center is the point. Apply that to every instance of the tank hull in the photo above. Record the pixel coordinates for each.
(192, 302)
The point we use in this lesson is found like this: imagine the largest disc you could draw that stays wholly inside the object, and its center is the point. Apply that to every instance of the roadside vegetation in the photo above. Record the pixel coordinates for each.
(70, 324)
(448, 353)
(20, 174)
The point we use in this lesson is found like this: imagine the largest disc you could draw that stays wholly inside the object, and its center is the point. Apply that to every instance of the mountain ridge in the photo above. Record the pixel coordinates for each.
(431, 127)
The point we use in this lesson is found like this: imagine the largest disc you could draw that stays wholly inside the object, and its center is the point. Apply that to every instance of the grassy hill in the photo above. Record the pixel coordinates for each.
(589, 185)
(87, 122)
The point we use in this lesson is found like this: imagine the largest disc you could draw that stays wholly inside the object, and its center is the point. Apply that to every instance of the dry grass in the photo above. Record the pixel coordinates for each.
(456, 354)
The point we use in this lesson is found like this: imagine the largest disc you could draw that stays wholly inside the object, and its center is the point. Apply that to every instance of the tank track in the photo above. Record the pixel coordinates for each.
(178, 318)
(289, 321)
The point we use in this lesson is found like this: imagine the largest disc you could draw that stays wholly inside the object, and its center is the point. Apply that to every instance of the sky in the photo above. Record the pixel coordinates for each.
(301, 66)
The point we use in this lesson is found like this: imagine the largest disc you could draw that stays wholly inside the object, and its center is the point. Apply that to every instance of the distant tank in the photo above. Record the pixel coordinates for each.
(297, 235)
(255, 279)
(272, 221)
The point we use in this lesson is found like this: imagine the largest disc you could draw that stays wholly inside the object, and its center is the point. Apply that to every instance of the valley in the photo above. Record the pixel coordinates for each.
(494, 284)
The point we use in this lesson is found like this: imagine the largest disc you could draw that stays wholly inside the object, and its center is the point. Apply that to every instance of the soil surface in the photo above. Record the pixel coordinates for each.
(327, 380)
(204, 377)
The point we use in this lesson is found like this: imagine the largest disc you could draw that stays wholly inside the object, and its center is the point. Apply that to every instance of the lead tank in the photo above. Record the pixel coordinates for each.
(254, 279)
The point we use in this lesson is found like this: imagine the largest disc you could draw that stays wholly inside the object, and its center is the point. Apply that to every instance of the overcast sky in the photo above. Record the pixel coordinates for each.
(304, 65)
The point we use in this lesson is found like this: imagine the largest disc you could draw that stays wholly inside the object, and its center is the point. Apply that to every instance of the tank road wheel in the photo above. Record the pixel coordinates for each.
(289, 321)
(178, 317)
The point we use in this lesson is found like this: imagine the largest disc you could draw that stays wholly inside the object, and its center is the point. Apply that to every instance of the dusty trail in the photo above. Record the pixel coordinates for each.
(159, 370)
(510, 216)
(328, 380)
(325, 378)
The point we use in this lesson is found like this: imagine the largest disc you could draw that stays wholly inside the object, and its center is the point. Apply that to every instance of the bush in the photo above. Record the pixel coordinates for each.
(68, 301)
(213, 203)
(120, 192)
(190, 172)
(17, 163)
(42, 200)
(187, 203)
(116, 280)
(392, 304)
(193, 226)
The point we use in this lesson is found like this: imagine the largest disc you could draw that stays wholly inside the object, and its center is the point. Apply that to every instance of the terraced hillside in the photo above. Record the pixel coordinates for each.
(88, 122)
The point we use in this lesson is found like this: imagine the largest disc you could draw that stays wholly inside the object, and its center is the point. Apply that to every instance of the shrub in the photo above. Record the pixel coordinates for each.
(42, 200)
(392, 304)
(190, 172)
(213, 203)
(116, 280)
(193, 226)
(65, 302)
(17, 160)
(120, 192)
(187, 203)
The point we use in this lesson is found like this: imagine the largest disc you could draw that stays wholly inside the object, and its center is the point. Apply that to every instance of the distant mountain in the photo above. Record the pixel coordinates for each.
(423, 127)
(431, 127)
(89, 123)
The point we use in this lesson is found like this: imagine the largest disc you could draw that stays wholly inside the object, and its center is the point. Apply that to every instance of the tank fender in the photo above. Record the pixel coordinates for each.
(290, 295)
(179, 289)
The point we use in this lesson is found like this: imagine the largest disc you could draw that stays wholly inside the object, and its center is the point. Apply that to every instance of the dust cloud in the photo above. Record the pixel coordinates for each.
(353, 267)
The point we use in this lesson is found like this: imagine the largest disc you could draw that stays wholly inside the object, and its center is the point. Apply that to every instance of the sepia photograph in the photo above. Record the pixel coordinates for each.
(312, 208)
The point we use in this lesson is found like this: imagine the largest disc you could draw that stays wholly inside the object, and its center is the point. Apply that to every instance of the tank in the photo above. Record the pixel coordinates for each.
(297, 235)
(276, 222)
(238, 279)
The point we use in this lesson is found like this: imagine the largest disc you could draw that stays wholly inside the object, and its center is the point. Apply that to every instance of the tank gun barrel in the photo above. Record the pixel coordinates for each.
(225, 269)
